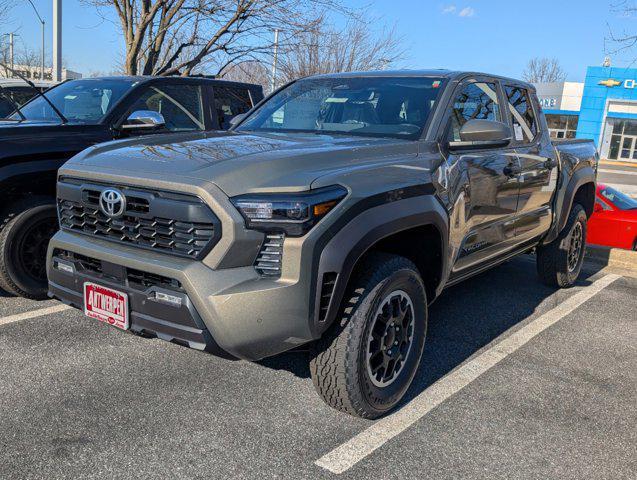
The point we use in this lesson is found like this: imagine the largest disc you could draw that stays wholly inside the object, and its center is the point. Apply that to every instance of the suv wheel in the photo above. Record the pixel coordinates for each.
(559, 263)
(364, 363)
(24, 238)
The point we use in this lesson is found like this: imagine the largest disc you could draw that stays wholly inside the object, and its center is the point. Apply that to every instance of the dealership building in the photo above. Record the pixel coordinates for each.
(603, 108)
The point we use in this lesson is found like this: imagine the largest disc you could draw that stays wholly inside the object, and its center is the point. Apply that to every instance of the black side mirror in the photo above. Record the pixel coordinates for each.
(482, 134)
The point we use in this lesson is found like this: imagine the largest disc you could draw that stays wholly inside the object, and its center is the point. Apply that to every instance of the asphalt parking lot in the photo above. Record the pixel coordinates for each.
(518, 381)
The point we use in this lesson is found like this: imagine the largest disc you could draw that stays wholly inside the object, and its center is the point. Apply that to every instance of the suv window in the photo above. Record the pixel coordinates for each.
(478, 100)
(83, 101)
(522, 116)
(180, 105)
(230, 101)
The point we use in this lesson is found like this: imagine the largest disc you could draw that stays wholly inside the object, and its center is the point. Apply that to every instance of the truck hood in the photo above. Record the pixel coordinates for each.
(239, 163)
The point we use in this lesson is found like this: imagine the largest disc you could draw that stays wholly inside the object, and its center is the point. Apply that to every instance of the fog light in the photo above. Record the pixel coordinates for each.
(63, 266)
(166, 298)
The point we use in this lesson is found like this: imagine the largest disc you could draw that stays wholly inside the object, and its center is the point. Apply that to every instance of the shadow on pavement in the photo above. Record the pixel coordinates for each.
(464, 319)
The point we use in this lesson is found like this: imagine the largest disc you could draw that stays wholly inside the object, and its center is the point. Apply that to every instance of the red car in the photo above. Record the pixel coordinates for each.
(614, 221)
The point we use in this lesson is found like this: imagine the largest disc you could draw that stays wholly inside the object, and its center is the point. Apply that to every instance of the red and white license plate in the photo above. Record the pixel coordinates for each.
(106, 305)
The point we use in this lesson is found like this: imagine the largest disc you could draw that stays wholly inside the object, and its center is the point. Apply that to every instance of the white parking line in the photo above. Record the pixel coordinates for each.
(347, 455)
(33, 314)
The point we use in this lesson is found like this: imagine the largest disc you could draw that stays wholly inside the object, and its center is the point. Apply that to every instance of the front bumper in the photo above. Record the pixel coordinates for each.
(229, 311)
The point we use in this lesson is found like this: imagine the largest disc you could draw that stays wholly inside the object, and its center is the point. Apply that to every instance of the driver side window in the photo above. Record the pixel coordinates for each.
(180, 105)
(477, 100)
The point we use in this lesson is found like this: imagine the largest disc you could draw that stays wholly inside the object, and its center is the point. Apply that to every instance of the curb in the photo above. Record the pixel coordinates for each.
(618, 164)
(612, 257)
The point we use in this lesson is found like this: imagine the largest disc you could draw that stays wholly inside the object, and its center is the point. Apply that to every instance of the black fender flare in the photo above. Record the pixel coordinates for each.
(343, 245)
(29, 174)
(565, 197)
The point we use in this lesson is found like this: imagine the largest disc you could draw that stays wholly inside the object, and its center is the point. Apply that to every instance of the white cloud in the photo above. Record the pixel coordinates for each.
(467, 12)
(449, 9)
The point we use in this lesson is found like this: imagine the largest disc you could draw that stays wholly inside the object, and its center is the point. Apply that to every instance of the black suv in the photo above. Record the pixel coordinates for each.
(39, 137)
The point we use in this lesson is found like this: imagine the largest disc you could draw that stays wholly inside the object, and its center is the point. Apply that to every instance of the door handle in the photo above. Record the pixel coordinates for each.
(512, 170)
(550, 164)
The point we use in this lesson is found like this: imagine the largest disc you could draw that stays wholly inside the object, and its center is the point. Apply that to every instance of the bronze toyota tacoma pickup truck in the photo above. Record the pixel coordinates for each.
(332, 215)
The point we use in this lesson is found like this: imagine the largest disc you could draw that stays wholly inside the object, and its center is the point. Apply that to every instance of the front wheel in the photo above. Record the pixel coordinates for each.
(365, 362)
(24, 238)
(559, 263)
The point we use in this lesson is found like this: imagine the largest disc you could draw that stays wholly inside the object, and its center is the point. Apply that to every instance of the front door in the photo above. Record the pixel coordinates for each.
(484, 184)
(628, 146)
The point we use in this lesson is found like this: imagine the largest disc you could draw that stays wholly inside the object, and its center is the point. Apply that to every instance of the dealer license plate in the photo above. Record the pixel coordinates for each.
(106, 305)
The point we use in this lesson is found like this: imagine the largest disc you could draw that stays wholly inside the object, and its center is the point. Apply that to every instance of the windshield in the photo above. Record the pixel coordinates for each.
(368, 106)
(80, 101)
(619, 199)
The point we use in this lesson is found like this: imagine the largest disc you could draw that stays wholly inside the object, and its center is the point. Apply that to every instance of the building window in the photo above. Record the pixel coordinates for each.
(562, 126)
(623, 141)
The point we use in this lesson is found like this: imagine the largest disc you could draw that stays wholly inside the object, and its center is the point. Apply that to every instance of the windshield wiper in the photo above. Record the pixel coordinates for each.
(13, 102)
(37, 91)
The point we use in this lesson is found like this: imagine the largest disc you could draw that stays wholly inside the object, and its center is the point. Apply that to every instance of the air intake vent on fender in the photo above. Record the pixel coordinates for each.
(327, 289)
(269, 260)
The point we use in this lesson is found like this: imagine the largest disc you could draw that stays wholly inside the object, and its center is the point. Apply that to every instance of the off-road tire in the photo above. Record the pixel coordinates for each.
(16, 222)
(553, 258)
(338, 361)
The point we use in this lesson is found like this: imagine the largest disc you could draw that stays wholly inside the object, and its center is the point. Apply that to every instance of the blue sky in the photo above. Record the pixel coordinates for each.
(496, 36)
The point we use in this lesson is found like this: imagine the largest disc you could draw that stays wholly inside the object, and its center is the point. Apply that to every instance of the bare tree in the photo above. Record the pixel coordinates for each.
(25, 60)
(168, 37)
(5, 7)
(353, 48)
(250, 71)
(626, 40)
(544, 70)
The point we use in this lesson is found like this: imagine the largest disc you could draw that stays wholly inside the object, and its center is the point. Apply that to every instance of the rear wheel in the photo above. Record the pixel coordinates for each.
(26, 231)
(559, 263)
(365, 362)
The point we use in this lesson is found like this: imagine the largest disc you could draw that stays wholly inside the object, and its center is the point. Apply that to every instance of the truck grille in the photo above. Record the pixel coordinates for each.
(138, 226)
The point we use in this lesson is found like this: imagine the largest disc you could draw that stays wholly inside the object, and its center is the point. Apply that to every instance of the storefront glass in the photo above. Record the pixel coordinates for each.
(623, 141)
(562, 126)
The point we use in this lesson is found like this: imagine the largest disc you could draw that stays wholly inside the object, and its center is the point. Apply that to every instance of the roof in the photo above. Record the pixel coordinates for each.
(440, 73)
(16, 82)
(151, 78)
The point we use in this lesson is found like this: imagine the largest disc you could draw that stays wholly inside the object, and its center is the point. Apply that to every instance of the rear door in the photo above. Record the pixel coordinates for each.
(538, 176)
(487, 191)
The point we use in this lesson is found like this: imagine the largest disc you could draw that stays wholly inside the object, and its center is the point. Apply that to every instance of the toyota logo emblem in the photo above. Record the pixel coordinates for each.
(113, 203)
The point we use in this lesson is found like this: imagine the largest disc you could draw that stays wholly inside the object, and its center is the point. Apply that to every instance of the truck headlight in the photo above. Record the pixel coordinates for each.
(292, 213)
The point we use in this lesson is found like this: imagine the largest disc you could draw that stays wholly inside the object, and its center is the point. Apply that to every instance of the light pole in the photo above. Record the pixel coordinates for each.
(274, 59)
(57, 40)
(42, 57)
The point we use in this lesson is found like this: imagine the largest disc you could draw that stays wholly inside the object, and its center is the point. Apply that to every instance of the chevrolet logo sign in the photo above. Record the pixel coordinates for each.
(610, 83)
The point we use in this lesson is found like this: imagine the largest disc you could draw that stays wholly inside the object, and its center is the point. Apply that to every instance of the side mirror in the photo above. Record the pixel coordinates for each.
(144, 120)
(482, 134)
(234, 121)
(598, 208)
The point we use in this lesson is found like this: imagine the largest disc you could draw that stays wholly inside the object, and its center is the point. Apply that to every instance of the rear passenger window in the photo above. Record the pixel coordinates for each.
(476, 101)
(229, 102)
(522, 116)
